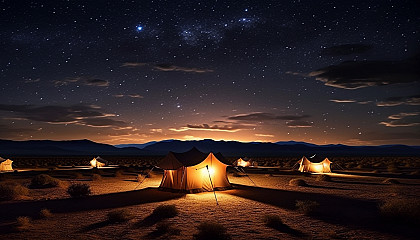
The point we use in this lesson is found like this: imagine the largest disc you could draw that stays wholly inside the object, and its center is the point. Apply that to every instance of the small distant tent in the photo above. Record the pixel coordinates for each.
(314, 167)
(98, 162)
(193, 171)
(245, 162)
(5, 165)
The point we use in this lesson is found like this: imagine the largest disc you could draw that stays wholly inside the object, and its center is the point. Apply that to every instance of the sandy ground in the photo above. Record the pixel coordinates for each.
(347, 208)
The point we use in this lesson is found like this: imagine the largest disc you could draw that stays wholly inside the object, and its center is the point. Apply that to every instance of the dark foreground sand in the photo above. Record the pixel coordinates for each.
(348, 209)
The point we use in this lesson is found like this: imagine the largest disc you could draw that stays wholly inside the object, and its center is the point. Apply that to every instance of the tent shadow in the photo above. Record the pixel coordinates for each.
(9, 211)
(286, 229)
(332, 209)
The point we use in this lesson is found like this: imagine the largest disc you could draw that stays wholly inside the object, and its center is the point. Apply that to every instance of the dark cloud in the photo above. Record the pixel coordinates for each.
(346, 49)
(87, 115)
(395, 101)
(128, 95)
(207, 127)
(30, 80)
(299, 124)
(133, 64)
(403, 120)
(166, 67)
(170, 68)
(261, 117)
(10, 131)
(83, 81)
(360, 74)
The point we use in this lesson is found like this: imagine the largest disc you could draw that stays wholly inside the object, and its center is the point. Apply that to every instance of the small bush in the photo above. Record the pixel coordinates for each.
(307, 207)
(297, 182)
(118, 173)
(166, 228)
(77, 175)
(79, 190)
(391, 181)
(45, 213)
(119, 216)
(23, 224)
(44, 181)
(165, 211)
(401, 210)
(211, 231)
(96, 177)
(323, 178)
(273, 221)
(11, 191)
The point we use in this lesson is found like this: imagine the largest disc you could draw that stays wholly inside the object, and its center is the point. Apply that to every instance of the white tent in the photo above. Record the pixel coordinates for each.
(194, 171)
(98, 162)
(245, 162)
(5, 165)
(321, 167)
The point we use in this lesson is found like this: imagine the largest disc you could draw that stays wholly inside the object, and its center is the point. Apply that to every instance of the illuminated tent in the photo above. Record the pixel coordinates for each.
(321, 167)
(5, 165)
(246, 162)
(194, 171)
(98, 162)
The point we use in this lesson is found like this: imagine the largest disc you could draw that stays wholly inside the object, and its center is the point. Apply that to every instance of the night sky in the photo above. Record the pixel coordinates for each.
(136, 71)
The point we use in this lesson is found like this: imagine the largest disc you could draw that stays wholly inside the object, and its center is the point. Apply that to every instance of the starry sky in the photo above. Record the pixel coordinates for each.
(324, 72)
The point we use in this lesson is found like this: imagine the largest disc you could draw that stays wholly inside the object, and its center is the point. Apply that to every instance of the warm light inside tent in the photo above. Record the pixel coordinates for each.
(317, 167)
(206, 171)
(211, 171)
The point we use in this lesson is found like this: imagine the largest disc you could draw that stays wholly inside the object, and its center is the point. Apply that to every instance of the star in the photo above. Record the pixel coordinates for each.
(139, 28)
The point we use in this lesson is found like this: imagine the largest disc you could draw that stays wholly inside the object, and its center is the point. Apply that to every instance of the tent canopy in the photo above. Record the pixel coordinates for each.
(305, 165)
(193, 171)
(5, 164)
(98, 162)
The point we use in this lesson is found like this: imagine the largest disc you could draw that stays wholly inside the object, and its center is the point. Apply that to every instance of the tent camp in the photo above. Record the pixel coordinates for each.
(98, 162)
(245, 162)
(314, 167)
(193, 171)
(5, 165)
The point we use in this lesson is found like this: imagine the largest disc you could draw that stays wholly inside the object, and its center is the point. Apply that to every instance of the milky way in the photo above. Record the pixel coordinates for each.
(136, 71)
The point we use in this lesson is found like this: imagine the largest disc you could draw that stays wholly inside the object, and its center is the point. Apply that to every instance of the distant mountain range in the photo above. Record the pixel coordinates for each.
(227, 148)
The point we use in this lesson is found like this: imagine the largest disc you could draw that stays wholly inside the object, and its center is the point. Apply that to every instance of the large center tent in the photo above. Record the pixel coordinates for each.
(194, 171)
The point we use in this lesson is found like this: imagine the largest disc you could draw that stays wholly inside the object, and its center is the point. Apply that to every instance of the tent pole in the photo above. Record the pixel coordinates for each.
(144, 178)
(182, 179)
(214, 192)
(245, 175)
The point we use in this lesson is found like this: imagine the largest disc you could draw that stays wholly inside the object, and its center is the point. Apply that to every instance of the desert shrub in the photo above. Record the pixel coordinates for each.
(76, 175)
(118, 216)
(45, 213)
(96, 177)
(297, 182)
(139, 177)
(307, 207)
(44, 181)
(11, 190)
(165, 211)
(79, 190)
(391, 181)
(273, 221)
(211, 231)
(23, 223)
(415, 173)
(118, 173)
(166, 228)
(392, 168)
(401, 210)
(323, 178)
